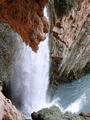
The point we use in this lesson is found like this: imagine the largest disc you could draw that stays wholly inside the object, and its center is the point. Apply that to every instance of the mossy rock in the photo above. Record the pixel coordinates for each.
(9, 46)
(54, 113)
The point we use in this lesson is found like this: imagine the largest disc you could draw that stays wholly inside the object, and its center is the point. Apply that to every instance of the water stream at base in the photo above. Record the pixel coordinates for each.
(75, 96)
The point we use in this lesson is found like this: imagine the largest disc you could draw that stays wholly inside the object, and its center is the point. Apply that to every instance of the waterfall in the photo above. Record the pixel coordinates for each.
(29, 79)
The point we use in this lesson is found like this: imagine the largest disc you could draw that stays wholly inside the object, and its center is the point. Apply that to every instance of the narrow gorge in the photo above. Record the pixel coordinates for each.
(44, 59)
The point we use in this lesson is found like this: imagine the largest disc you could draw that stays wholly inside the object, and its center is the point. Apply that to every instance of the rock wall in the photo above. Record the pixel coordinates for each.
(8, 44)
(9, 47)
(26, 18)
(69, 42)
(7, 110)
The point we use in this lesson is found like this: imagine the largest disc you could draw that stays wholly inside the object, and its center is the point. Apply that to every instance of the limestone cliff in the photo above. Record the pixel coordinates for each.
(69, 40)
(26, 18)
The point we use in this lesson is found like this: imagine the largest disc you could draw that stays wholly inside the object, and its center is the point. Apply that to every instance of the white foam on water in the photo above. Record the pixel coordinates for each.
(76, 106)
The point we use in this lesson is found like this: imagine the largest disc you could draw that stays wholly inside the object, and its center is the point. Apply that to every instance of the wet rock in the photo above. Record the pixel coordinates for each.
(48, 114)
(84, 114)
(53, 113)
(9, 47)
(34, 116)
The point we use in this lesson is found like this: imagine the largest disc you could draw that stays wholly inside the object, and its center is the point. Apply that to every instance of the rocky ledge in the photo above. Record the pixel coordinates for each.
(26, 18)
(53, 113)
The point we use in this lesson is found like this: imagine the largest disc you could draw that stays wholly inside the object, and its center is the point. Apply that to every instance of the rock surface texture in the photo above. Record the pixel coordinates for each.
(26, 18)
(10, 44)
(70, 43)
(7, 110)
(9, 47)
(53, 113)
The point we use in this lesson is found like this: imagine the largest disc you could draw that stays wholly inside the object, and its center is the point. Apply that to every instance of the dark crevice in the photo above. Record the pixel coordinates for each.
(6, 90)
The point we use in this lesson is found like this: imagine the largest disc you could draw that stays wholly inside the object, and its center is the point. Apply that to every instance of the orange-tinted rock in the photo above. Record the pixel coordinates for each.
(1, 1)
(26, 18)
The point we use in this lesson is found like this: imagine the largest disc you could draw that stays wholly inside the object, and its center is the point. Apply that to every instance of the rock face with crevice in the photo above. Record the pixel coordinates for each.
(26, 18)
(7, 110)
(70, 42)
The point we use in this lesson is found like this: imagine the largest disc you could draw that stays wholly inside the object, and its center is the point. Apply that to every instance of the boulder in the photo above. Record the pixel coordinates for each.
(54, 113)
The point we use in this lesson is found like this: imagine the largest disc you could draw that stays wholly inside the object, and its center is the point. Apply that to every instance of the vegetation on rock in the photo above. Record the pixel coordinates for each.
(53, 113)
(6, 49)
(9, 46)
(62, 7)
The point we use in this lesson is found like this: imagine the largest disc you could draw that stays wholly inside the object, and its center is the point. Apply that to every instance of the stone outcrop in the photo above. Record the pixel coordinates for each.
(70, 43)
(53, 113)
(9, 47)
(8, 111)
(26, 18)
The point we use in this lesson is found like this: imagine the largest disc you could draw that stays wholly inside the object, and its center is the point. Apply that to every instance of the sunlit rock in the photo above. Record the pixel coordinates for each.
(26, 18)
(7, 110)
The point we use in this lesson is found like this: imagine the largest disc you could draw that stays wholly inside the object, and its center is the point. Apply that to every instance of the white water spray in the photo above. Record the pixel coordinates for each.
(77, 105)
(29, 81)
(74, 97)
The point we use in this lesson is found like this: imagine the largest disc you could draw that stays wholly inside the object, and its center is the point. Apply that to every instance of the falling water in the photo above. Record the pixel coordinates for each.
(29, 79)
(29, 83)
